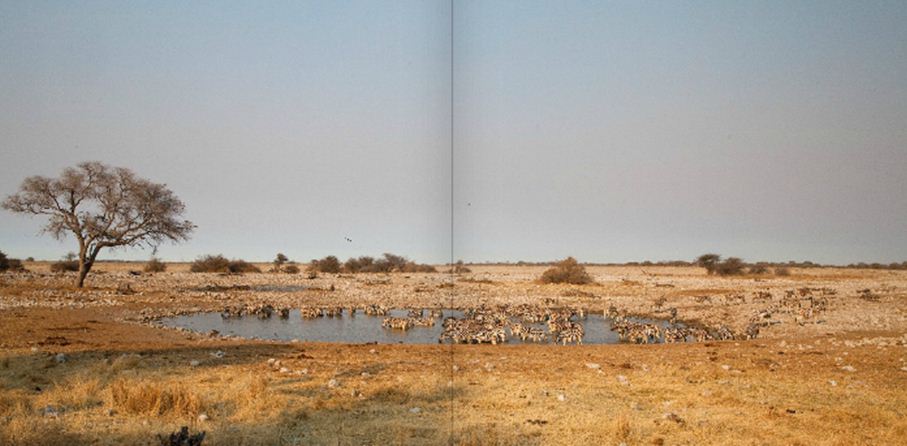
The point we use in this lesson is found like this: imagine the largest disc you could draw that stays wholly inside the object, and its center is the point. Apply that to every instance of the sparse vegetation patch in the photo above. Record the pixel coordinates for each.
(566, 271)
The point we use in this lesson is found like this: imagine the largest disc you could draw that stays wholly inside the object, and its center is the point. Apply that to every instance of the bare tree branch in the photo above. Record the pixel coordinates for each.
(103, 207)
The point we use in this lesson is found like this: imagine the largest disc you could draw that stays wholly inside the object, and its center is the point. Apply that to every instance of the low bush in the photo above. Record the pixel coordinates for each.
(460, 268)
(759, 268)
(390, 263)
(155, 265)
(566, 271)
(361, 264)
(782, 271)
(329, 264)
(283, 264)
(69, 263)
(242, 266)
(730, 266)
(714, 265)
(220, 264)
(210, 264)
(8, 264)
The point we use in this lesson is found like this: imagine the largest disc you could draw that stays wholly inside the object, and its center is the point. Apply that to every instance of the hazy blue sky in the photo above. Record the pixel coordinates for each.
(610, 131)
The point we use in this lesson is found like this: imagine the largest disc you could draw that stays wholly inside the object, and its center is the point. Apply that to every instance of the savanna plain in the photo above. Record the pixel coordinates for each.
(825, 364)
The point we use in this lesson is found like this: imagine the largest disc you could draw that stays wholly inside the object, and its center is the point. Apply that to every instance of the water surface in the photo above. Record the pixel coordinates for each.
(358, 329)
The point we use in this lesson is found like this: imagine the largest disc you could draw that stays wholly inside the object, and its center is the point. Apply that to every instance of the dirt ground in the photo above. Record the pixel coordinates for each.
(88, 367)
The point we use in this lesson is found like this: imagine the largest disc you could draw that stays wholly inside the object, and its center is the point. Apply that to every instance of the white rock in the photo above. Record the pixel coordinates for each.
(848, 368)
(202, 417)
(415, 410)
(284, 370)
(194, 363)
(60, 358)
(623, 380)
(832, 382)
(726, 367)
(271, 361)
(50, 411)
(593, 365)
(218, 354)
(561, 397)
(332, 384)
(904, 369)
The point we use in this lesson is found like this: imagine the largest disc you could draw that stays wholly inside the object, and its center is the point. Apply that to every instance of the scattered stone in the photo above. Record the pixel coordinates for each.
(60, 358)
(51, 411)
(218, 354)
(194, 363)
(373, 351)
(623, 380)
(726, 367)
(415, 410)
(904, 369)
(849, 368)
(333, 384)
(671, 416)
(202, 417)
(365, 374)
(833, 382)
(111, 412)
(593, 366)
(561, 397)
(284, 370)
(271, 361)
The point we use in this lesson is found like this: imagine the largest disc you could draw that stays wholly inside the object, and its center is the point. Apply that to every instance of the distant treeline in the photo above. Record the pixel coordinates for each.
(389, 263)
(789, 264)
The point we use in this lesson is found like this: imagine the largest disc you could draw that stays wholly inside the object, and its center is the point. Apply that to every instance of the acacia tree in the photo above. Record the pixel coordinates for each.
(103, 207)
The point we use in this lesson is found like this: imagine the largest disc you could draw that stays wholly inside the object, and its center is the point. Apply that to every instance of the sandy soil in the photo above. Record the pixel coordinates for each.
(86, 367)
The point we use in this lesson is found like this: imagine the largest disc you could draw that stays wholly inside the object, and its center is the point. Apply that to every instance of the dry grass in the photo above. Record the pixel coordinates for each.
(153, 399)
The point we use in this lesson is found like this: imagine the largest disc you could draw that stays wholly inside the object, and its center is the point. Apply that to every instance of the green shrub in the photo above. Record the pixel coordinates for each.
(566, 271)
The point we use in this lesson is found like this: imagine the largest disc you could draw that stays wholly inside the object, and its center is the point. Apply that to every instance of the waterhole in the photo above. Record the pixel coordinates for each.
(360, 328)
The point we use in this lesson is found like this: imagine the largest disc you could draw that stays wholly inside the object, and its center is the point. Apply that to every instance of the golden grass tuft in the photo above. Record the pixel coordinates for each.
(622, 429)
(77, 393)
(153, 399)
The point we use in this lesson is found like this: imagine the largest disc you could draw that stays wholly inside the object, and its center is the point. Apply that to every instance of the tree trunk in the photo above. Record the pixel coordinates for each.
(85, 265)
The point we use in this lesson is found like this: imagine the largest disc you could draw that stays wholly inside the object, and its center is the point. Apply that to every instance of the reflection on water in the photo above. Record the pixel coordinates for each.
(356, 329)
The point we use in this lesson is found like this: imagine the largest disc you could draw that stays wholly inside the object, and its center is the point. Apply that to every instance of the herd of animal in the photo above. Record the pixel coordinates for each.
(542, 324)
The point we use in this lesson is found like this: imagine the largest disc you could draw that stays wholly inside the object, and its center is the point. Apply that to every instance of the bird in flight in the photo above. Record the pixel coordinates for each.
(348, 239)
